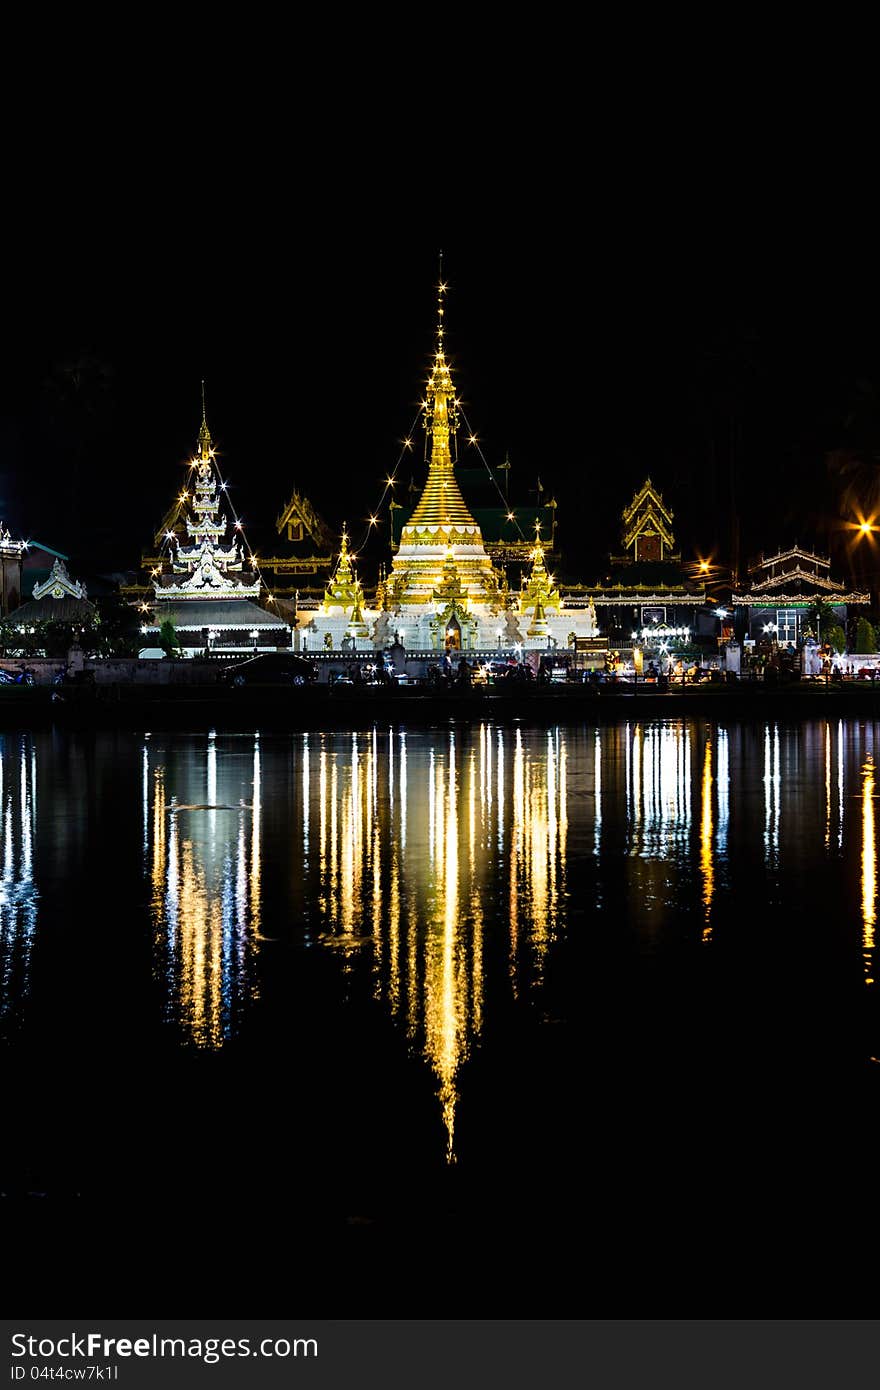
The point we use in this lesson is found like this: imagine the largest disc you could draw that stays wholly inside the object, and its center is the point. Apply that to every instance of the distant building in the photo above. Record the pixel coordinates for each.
(302, 562)
(784, 589)
(57, 599)
(647, 592)
(11, 556)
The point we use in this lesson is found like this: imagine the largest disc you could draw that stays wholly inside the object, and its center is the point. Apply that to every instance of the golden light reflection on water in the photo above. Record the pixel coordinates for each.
(202, 847)
(18, 890)
(707, 849)
(436, 865)
(869, 868)
(414, 862)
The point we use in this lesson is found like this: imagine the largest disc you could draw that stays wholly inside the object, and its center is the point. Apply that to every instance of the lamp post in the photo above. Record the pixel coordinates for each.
(255, 637)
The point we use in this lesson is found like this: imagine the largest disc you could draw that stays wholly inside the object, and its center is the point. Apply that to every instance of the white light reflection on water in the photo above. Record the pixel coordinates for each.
(19, 898)
(204, 861)
(772, 785)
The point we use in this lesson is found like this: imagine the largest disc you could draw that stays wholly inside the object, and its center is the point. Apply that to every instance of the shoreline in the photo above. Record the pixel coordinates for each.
(205, 706)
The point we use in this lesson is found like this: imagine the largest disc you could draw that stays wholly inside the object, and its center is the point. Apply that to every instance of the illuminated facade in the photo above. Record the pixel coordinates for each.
(204, 585)
(783, 593)
(443, 590)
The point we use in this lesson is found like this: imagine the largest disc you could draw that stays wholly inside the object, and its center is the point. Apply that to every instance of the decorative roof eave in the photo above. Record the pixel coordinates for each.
(226, 627)
(649, 519)
(179, 594)
(793, 600)
(300, 508)
(647, 490)
(432, 529)
(59, 585)
(815, 580)
(698, 595)
(635, 594)
(795, 551)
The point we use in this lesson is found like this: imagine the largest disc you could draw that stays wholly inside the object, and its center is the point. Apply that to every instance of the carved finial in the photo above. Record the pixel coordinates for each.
(204, 432)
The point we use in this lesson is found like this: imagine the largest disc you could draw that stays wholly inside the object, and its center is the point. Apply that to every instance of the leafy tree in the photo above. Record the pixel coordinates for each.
(168, 638)
(835, 636)
(49, 637)
(821, 616)
(119, 631)
(865, 640)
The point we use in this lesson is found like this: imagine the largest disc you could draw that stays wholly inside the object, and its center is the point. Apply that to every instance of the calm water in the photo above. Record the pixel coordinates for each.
(533, 954)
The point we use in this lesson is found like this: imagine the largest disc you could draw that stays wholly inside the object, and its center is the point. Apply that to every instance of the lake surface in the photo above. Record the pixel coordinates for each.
(624, 955)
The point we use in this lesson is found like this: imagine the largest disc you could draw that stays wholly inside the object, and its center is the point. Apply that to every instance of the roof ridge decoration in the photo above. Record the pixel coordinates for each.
(648, 515)
(59, 584)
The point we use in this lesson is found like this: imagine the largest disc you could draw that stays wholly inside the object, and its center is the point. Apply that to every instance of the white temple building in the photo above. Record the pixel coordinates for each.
(207, 589)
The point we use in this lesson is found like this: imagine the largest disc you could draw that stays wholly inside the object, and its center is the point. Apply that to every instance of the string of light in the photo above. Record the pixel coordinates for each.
(473, 440)
(390, 482)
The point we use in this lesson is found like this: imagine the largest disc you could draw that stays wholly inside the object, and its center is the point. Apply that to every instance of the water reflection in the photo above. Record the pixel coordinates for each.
(407, 875)
(869, 868)
(441, 868)
(202, 851)
(18, 890)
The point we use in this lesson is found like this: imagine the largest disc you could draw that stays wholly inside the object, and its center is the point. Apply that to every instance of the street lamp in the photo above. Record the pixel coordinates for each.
(255, 637)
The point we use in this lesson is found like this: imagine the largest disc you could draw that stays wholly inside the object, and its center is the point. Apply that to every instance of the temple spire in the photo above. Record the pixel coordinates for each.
(205, 443)
(441, 502)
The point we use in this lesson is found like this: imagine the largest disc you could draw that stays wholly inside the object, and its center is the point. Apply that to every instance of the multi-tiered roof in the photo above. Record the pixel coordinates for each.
(209, 584)
(441, 525)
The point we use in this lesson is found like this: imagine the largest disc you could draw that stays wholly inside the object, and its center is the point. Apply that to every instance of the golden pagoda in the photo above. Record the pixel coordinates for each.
(539, 594)
(344, 590)
(442, 542)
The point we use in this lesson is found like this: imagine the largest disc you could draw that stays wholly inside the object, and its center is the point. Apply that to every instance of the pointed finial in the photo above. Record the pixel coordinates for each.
(441, 290)
(204, 432)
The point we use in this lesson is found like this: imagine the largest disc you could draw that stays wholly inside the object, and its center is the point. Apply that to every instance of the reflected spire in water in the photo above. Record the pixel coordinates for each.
(413, 871)
(18, 891)
(204, 862)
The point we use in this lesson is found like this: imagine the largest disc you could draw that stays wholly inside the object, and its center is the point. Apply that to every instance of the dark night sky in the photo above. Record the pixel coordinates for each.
(638, 321)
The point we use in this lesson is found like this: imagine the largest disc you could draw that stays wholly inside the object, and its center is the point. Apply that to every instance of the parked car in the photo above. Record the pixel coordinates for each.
(270, 668)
